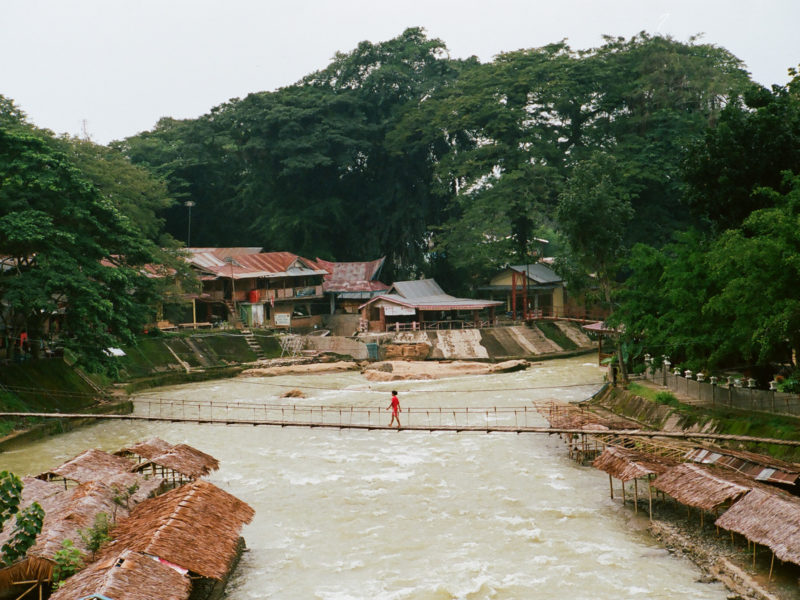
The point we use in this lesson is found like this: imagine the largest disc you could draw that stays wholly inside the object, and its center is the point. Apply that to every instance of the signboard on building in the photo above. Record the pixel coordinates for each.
(393, 310)
(283, 319)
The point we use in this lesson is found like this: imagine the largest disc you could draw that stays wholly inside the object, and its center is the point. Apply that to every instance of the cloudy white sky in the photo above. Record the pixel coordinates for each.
(120, 65)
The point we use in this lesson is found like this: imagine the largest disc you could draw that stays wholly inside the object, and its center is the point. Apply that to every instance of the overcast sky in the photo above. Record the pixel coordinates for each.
(120, 65)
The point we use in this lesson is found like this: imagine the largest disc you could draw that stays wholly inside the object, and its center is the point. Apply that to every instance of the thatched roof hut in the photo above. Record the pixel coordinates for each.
(195, 526)
(627, 464)
(91, 465)
(180, 458)
(127, 576)
(114, 471)
(767, 517)
(701, 487)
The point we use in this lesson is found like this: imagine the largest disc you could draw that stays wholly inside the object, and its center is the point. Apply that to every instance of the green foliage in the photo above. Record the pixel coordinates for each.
(552, 332)
(28, 525)
(10, 495)
(68, 561)
(71, 252)
(97, 535)
(667, 398)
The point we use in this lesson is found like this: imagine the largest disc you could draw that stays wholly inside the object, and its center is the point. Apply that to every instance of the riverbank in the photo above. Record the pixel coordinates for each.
(749, 571)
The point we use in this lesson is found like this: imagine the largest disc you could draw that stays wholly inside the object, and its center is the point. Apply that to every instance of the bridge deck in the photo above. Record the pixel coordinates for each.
(483, 428)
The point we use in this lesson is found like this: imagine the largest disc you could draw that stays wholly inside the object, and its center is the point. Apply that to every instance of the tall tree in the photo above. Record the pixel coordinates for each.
(68, 254)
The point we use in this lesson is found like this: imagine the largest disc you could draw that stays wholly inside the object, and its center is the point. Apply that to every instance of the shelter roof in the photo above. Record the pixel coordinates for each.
(195, 526)
(537, 272)
(601, 327)
(425, 294)
(767, 517)
(627, 464)
(749, 464)
(702, 487)
(249, 266)
(90, 465)
(223, 252)
(184, 459)
(71, 511)
(128, 575)
(352, 276)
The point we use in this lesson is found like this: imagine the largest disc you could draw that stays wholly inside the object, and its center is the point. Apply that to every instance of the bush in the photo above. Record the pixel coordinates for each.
(667, 398)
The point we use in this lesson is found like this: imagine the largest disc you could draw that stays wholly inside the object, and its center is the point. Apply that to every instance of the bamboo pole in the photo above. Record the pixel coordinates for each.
(771, 564)
(611, 485)
(635, 496)
(650, 497)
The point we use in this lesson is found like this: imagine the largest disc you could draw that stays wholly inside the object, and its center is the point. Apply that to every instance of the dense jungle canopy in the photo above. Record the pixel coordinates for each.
(655, 166)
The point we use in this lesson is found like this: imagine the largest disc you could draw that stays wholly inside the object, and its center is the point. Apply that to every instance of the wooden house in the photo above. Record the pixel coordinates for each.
(259, 289)
(349, 284)
(529, 291)
(422, 304)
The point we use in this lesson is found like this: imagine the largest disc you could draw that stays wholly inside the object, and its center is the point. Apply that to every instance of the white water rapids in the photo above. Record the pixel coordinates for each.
(346, 515)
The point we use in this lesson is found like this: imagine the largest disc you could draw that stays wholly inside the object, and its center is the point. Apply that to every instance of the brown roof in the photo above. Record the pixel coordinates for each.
(352, 276)
(767, 517)
(147, 449)
(127, 576)
(90, 465)
(195, 526)
(701, 487)
(75, 509)
(627, 464)
(181, 458)
(114, 471)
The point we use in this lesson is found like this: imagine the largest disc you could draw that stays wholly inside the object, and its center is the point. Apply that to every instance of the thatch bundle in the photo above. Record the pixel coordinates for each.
(627, 464)
(195, 526)
(698, 486)
(770, 518)
(28, 570)
(127, 576)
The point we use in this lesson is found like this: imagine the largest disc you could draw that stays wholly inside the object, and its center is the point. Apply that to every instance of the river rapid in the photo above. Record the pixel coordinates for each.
(346, 515)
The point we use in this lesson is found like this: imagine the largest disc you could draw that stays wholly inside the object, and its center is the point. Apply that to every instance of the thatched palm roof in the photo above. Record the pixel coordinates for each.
(701, 487)
(627, 464)
(91, 465)
(127, 576)
(770, 518)
(195, 526)
(181, 458)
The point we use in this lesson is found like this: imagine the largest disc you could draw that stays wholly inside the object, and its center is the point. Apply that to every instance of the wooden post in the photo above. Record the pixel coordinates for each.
(513, 295)
(650, 494)
(611, 485)
(771, 564)
(623, 492)
(754, 554)
(635, 496)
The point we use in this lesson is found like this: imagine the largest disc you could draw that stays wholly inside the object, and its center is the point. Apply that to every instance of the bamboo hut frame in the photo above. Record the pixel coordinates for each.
(627, 465)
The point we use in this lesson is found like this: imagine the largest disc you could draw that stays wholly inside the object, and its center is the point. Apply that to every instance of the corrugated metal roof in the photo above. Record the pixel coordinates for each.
(754, 466)
(223, 252)
(248, 266)
(421, 288)
(352, 276)
(538, 272)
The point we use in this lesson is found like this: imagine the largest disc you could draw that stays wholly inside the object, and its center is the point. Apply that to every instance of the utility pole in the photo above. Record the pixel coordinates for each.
(189, 204)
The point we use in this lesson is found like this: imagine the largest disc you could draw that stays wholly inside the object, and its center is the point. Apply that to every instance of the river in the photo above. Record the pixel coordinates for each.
(344, 515)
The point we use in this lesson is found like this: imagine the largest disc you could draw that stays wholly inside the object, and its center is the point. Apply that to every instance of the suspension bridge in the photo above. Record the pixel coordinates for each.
(485, 420)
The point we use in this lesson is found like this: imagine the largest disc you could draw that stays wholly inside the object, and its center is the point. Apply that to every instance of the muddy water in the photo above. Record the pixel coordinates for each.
(346, 515)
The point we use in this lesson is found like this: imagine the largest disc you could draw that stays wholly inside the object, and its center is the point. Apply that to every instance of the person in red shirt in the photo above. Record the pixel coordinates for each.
(395, 406)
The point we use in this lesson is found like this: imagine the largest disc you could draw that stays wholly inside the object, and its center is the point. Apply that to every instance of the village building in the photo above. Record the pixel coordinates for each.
(349, 284)
(422, 304)
(529, 291)
(254, 288)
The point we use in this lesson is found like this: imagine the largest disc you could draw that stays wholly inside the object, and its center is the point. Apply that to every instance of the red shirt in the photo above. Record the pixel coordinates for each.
(395, 404)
